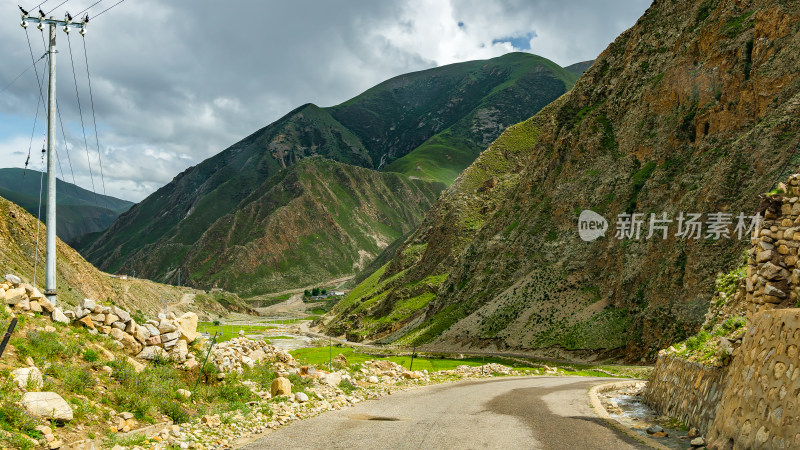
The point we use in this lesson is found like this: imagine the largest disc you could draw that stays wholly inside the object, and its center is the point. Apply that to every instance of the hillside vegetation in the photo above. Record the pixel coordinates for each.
(694, 109)
(79, 211)
(428, 125)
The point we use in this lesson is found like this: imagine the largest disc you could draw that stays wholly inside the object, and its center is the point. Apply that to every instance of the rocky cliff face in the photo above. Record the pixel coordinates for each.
(695, 109)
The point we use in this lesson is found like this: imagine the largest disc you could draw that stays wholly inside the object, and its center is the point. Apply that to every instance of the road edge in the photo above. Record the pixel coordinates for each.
(600, 410)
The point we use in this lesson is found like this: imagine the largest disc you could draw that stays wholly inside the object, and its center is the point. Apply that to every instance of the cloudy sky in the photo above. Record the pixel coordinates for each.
(176, 82)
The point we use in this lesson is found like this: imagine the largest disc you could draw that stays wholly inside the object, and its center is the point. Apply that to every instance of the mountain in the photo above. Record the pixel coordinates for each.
(427, 125)
(695, 109)
(316, 220)
(79, 211)
(77, 279)
(577, 69)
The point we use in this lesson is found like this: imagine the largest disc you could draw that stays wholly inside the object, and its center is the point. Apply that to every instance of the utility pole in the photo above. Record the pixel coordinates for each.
(50, 271)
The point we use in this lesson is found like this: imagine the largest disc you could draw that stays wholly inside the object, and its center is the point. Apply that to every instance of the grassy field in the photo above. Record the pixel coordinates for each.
(228, 332)
(319, 356)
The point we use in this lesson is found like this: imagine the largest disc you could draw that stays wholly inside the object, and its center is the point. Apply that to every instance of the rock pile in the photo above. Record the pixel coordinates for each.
(22, 297)
(234, 355)
(166, 336)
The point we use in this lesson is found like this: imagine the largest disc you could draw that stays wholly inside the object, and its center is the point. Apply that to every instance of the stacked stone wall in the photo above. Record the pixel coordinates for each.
(773, 271)
(686, 390)
(761, 405)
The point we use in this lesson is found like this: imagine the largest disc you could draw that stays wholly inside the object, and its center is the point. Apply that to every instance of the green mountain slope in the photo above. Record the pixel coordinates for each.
(314, 221)
(469, 103)
(79, 211)
(667, 119)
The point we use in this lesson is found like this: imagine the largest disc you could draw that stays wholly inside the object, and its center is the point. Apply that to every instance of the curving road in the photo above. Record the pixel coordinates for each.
(504, 413)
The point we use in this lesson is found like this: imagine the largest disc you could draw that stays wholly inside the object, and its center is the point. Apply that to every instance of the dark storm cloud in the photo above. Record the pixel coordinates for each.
(176, 82)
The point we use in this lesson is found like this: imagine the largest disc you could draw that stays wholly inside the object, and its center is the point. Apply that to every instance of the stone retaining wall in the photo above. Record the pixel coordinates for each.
(761, 405)
(686, 390)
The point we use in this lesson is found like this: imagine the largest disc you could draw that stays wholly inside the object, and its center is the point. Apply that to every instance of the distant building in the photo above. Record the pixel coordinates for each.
(336, 293)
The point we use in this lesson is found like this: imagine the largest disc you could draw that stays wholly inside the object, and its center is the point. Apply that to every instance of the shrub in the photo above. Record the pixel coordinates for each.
(90, 355)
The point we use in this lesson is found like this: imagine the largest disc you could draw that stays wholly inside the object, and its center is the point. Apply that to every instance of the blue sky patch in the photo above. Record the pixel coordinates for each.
(519, 42)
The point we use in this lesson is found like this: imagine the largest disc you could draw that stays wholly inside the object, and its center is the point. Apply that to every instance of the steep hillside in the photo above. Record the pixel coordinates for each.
(462, 106)
(315, 221)
(79, 211)
(77, 279)
(695, 109)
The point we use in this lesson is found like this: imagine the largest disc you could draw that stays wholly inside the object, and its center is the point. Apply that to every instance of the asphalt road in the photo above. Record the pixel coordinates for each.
(504, 413)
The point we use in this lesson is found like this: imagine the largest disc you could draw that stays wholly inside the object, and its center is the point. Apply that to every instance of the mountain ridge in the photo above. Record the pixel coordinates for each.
(381, 125)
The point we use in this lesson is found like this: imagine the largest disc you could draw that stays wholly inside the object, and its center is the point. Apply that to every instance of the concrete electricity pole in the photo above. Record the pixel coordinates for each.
(50, 273)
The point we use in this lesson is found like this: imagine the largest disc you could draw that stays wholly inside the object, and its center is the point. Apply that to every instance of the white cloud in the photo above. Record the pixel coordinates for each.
(177, 82)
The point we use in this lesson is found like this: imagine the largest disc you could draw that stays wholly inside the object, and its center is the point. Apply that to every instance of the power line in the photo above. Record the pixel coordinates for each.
(39, 101)
(94, 120)
(48, 12)
(101, 12)
(23, 73)
(80, 111)
(90, 7)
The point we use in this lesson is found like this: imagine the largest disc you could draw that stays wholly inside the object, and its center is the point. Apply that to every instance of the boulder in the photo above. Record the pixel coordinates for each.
(123, 315)
(24, 304)
(116, 334)
(137, 366)
(180, 350)
(119, 326)
(280, 386)
(13, 279)
(257, 355)
(99, 319)
(47, 405)
(59, 316)
(130, 327)
(35, 294)
(28, 374)
(331, 379)
(301, 397)
(105, 329)
(80, 313)
(166, 337)
(187, 324)
(697, 442)
(152, 329)
(372, 379)
(111, 318)
(35, 306)
(341, 359)
(153, 340)
(184, 393)
(89, 304)
(14, 296)
(46, 305)
(140, 333)
(87, 321)
(166, 327)
(151, 352)
(130, 343)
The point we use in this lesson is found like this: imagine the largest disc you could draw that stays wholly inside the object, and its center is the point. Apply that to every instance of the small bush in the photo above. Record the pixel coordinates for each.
(90, 355)
(74, 378)
(347, 387)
